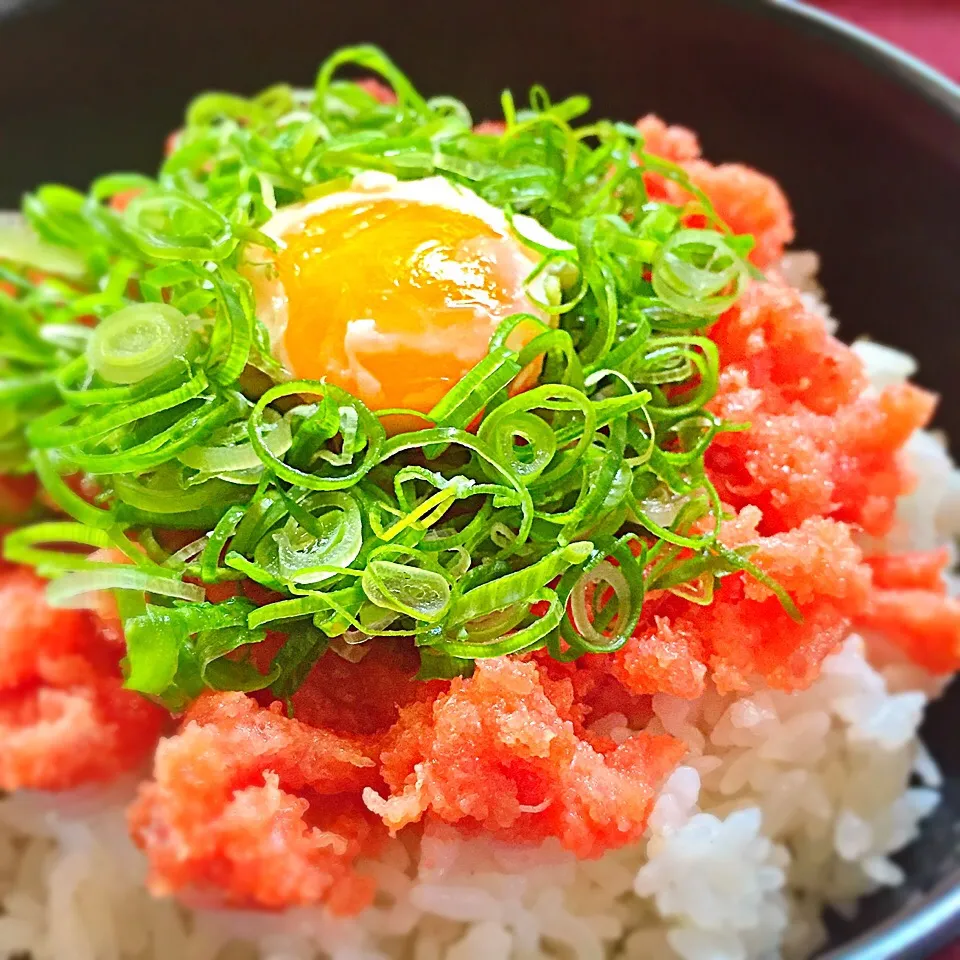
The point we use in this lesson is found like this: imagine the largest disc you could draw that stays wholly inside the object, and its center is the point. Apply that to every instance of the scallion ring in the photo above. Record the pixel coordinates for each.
(137, 342)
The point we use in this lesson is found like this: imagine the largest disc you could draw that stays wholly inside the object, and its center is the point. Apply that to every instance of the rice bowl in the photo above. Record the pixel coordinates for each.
(784, 801)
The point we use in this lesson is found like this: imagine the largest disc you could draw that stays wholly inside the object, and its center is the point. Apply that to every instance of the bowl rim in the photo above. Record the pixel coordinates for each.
(931, 922)
(877, 53)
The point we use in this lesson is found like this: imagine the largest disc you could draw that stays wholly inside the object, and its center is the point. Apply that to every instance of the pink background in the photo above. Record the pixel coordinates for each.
(929, 29)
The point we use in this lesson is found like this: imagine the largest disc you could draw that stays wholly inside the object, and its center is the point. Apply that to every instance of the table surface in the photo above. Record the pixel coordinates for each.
(929, 29)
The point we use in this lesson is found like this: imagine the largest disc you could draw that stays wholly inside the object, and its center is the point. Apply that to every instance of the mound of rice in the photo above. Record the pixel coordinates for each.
(786, 803)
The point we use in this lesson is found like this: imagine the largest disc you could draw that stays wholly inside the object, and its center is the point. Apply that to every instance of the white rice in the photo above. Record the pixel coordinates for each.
(786, 803)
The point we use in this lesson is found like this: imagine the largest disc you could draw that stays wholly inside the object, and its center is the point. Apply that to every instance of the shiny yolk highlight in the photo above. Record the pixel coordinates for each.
(396, 300)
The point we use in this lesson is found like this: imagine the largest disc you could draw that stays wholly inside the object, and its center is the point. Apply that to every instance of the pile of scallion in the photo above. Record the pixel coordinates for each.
(136, 383)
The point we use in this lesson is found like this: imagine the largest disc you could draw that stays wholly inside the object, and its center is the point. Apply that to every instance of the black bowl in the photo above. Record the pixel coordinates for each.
(865, 140)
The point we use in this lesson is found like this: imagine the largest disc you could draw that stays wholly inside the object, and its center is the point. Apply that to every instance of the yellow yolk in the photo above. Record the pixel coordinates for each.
(395, 300)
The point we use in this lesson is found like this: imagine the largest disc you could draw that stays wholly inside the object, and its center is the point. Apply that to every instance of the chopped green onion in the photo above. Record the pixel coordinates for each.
(20, 245)
(312, 548)
(697, 272)
(138, 341)
(216, 459)
(517, 520)
(514, 588)
(73, 585)
(421, 594)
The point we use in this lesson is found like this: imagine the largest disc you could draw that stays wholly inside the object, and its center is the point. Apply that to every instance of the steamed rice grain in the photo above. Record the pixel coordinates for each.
(745, 845)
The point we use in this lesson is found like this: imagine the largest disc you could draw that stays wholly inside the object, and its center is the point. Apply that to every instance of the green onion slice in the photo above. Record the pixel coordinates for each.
(137, 342)
(421, 594)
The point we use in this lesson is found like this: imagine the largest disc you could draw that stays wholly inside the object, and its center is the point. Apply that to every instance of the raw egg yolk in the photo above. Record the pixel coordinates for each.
(396, 300)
